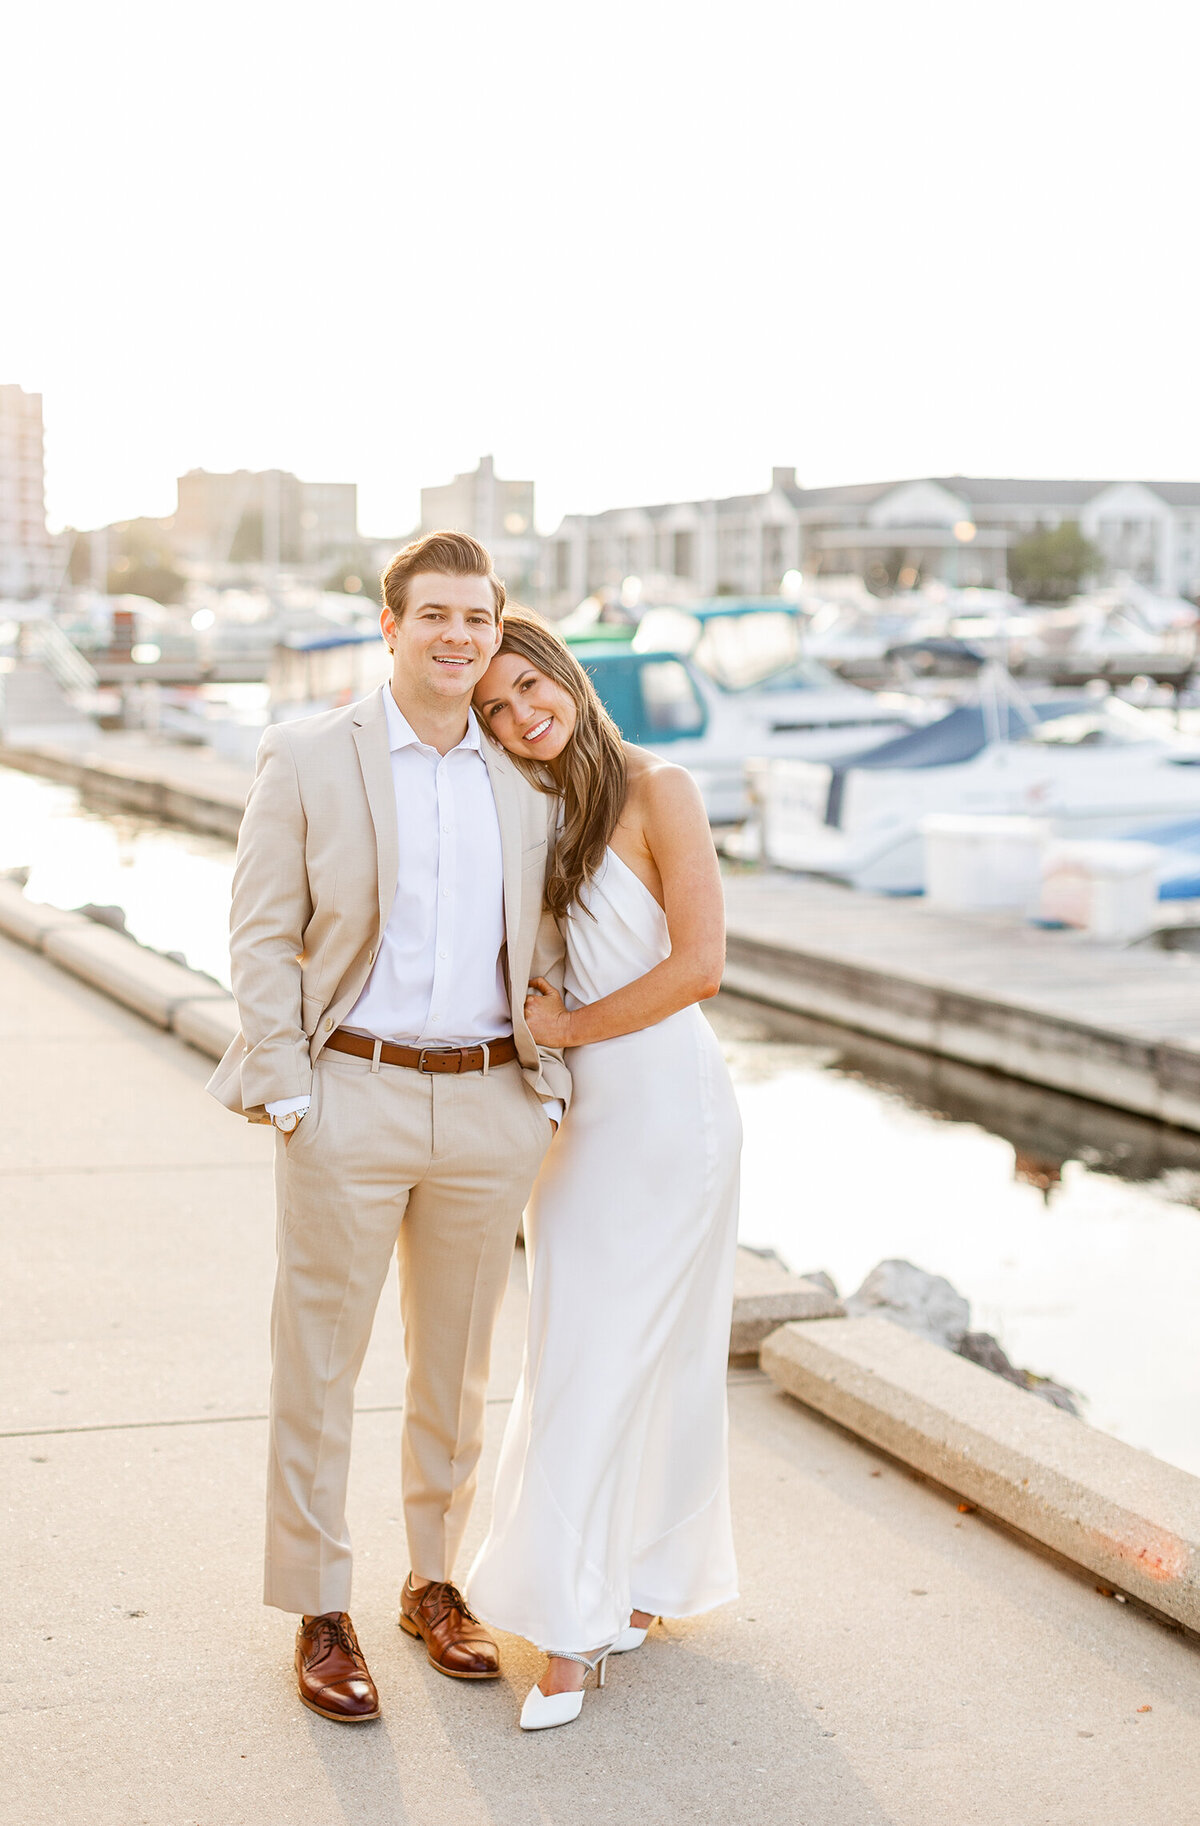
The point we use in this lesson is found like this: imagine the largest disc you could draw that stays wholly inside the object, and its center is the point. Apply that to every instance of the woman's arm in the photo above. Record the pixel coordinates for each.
(677, 836)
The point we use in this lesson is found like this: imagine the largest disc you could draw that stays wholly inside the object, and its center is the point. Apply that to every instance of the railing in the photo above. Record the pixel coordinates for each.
(45, 643)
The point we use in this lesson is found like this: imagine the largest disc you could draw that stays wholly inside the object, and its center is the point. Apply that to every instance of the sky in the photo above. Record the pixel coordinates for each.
(640, 251)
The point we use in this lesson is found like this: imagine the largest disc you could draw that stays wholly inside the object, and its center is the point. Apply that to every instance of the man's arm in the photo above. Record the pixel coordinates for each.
(272, 906)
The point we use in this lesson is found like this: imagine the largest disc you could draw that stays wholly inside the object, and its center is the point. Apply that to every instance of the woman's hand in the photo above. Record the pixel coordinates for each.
(546, 1014)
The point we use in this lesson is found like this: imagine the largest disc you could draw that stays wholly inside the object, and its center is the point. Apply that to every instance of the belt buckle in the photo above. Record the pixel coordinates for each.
(442, 1052)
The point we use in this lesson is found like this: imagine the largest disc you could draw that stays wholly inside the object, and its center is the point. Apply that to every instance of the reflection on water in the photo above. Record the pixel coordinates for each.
(173, 885)
(1073, 1229)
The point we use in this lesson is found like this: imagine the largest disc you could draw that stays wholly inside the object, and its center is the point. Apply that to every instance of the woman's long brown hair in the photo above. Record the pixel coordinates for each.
(589, 775)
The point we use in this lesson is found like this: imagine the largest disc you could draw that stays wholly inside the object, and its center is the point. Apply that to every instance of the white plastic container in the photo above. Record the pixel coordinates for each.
(1110, 890)
(978, 862)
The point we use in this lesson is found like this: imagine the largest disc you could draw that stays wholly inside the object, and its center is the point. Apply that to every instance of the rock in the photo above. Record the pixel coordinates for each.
(923, 1303)
(980, 1347)
(1054, 1392)
(821, 1279)
(114, 917)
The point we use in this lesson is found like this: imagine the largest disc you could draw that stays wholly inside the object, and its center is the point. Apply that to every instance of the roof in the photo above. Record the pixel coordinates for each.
(981, 491)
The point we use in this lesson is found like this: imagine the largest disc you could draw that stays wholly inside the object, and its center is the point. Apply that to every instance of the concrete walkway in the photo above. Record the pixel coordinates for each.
(890, 1660)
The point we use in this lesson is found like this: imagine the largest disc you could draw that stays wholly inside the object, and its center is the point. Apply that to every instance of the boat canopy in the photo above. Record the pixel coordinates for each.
(953, 739)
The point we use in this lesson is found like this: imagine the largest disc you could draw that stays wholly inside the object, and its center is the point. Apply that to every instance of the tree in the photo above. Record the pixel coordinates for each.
(355, 579)
(142, 563)
(1050, 564)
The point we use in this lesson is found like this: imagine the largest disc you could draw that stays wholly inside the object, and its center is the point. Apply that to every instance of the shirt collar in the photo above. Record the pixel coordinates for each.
(401, 733)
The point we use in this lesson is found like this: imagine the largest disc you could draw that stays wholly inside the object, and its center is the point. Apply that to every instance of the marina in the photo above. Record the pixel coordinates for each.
(1073, 1228)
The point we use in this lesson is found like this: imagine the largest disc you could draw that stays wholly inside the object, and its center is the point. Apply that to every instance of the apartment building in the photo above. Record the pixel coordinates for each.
(890, 534)
(28, 563)
(263, 517)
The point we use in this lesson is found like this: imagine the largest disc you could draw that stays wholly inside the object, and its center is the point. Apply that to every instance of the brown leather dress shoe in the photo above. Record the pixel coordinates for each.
(455, 1640)
(331, 1671)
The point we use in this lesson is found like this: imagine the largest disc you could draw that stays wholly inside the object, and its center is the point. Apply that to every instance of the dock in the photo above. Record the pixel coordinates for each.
(1117, 1025)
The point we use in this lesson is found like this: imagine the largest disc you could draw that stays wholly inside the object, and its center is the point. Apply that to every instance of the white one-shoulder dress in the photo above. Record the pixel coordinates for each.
(612, 1491)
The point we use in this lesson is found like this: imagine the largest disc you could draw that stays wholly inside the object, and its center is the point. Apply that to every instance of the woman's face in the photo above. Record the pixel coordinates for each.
(529, 714)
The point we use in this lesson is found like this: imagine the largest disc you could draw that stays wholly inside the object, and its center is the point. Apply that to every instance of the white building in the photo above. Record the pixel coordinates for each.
(890, 534)
(28, 563)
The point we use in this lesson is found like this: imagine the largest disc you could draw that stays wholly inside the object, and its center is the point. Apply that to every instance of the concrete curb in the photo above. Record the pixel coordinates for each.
(767, 1295)
(169, 994)
(1116, 1511)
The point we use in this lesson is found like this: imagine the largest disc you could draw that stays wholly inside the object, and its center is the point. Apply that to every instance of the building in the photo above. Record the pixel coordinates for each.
(29, 564)
(497, 513)
(264, 517)
(889, 534)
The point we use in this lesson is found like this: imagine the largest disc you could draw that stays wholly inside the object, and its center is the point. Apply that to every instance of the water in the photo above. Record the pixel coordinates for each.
(173, 885)
(1074, 1230)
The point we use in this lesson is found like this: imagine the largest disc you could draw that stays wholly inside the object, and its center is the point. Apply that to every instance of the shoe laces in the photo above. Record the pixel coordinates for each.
(329, 1633)
(440, 1599)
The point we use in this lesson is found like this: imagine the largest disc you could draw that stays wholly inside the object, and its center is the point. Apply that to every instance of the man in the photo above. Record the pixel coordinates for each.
(387, 919)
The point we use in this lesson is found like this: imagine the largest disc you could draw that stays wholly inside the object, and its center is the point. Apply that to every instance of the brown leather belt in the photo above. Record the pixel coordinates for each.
(426, 1058)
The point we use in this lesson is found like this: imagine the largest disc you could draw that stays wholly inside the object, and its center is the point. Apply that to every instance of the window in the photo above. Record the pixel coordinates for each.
(669, 698)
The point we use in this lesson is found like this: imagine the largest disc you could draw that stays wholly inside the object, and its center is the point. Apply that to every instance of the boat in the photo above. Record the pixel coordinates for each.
(664, 702)
(752, 649)
(1089, 765)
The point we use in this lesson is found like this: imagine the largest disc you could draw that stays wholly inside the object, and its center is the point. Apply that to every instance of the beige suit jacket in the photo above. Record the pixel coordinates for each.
(317, 860)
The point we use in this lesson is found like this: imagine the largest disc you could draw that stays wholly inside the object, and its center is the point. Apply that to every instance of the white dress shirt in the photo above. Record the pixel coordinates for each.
(438, 979)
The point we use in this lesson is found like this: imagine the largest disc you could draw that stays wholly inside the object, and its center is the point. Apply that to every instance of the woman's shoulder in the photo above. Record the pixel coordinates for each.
(655, 784)
(658, 793)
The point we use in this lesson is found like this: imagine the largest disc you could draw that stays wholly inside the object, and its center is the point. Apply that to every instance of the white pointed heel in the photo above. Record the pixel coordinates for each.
(630, 1638)
(542, 1711)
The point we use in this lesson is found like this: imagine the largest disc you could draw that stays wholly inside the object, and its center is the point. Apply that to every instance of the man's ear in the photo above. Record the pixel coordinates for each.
(499, 635)
(387, 627)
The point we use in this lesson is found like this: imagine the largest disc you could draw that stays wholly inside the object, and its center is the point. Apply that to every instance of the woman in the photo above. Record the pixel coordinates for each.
(611, 1503)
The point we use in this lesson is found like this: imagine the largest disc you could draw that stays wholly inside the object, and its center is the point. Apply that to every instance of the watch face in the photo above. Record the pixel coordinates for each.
(287, 1123)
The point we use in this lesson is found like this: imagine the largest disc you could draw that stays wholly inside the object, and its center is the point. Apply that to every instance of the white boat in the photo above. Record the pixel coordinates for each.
(1090, 766)
(753, 650)
(663, 702)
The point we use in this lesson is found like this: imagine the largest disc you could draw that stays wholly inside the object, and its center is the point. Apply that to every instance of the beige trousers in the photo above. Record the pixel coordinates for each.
(436, 1169)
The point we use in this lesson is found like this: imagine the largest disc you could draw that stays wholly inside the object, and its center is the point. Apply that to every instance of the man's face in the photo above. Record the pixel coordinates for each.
(446, 636)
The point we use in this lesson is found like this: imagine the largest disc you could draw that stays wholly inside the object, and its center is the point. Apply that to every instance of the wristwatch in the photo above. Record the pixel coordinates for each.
(286, 1124)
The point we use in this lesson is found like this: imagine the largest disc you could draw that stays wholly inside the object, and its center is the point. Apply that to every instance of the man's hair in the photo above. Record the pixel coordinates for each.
(450, 554)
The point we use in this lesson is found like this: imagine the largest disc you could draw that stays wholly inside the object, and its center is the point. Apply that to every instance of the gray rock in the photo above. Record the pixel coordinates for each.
(821, 1279)
(923, 1303)
(113, 917)
(980, 1347)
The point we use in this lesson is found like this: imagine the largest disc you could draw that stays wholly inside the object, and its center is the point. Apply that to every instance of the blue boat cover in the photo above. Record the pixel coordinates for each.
(957, 737)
